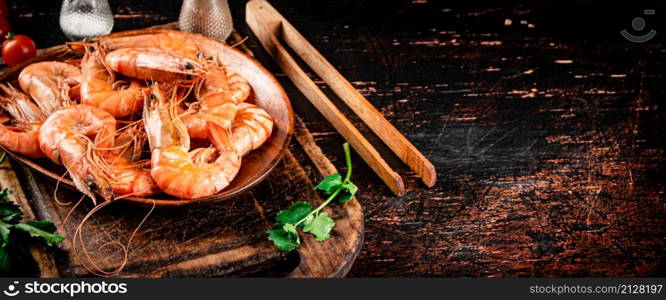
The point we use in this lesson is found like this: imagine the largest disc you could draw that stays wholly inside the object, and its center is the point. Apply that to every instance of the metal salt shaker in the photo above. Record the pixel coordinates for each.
(211, 18)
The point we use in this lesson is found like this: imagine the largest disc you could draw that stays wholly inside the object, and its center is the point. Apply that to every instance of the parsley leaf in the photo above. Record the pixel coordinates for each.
(316, 222)
(4, 234)
(282, 239)
(330, 184)
(320, 226)
(290, 228)
(10, 226)
(295, 213)
(5, 192)
(9, 211)
(5, 259)
(349, 189)
(334, 183)
(44, 229)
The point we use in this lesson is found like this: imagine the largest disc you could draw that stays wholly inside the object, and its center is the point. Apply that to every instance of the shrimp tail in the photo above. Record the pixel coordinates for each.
(23, 136)
(221, 139)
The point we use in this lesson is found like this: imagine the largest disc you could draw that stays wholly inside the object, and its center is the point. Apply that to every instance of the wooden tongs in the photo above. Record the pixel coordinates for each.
(269, 27)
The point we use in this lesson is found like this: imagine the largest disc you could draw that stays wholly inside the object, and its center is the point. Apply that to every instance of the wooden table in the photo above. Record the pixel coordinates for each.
(546, 128)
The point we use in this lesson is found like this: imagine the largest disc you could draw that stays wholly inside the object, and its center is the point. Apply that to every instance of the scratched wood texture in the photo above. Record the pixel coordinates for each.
(223, 239)
(202, 240)
(545, 126)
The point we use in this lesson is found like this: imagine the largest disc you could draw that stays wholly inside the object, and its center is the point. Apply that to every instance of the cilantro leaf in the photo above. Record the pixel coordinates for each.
(291, 229)
(4, 234)
(349, 189)
(320, 226)
(345, 196)
(44, 225)
(10, 218)
(285, 234)
(333, 183)
(330, 184)
(5, 260)
(44, 229)
(295, 213)
(4, 193)
(9, 211)
(307, 220)
(284, 240)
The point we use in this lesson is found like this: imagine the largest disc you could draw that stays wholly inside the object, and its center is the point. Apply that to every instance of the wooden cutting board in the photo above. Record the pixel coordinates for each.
(224, 239)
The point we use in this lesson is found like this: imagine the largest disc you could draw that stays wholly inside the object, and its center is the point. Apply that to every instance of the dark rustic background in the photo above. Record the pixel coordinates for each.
(547, 134)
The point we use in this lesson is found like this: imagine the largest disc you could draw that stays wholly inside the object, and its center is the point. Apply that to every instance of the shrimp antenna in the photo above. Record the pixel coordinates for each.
(69, 214)
(55, 191)
(95, 268)
(236, 44)
(95, 160)
(99, 53)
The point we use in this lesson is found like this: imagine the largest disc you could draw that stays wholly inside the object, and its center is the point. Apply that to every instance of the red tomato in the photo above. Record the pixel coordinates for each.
(4, 12)
(4, 27)
(17, 48)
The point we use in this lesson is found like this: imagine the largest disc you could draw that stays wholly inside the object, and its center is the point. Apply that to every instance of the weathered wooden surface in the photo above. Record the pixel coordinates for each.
(548, 138)
(200, 240)
(223, 239)
(546, 168)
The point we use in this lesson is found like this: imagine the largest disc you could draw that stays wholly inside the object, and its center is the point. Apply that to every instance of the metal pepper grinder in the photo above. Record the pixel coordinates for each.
(211, 18)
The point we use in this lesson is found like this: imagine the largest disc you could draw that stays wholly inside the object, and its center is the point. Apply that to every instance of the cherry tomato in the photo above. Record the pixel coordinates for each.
(4, 27)
(18, 48)
(4, 12)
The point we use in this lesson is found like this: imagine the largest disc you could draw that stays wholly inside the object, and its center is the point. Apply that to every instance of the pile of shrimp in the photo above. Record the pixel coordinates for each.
(135, 116)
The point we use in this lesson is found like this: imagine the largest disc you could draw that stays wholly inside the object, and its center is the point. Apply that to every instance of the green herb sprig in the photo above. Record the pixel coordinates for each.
(316, 222)
(12, 229)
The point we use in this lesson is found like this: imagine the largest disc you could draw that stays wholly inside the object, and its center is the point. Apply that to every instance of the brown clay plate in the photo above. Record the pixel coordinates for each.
(266, 93)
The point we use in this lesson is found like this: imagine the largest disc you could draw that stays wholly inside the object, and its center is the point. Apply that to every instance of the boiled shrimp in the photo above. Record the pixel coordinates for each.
(125, 170)
(100, 88)
(154, 64)
(23, 136)
(69, 137)
(176, 170)
(172, 41)
(220, 85)
(251, 128)
(217, 93)
(51, 84)
(197, 117)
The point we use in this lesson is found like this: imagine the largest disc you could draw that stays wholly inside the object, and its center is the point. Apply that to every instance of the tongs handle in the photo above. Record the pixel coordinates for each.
(359, 104)
(267, 24)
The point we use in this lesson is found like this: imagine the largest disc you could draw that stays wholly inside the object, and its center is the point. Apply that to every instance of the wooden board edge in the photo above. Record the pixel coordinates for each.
(349, 230)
